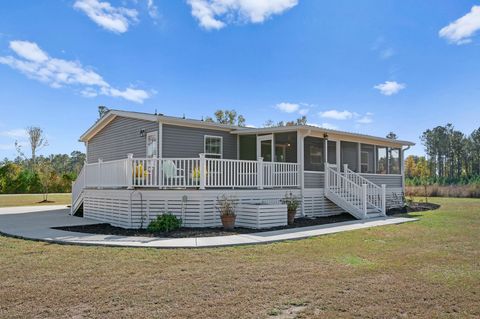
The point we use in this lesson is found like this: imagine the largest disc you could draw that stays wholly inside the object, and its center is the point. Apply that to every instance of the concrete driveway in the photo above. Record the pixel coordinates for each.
(36, 222)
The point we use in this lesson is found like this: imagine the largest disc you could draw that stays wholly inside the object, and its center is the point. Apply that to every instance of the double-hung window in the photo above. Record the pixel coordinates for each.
(213, 146)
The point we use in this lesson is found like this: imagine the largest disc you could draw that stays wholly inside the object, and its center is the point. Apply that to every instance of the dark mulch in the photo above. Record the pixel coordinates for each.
(106, 229)
(413, 207)
(184, 232)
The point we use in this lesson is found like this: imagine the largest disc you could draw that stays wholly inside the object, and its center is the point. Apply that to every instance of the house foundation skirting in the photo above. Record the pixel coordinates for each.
(136, 208)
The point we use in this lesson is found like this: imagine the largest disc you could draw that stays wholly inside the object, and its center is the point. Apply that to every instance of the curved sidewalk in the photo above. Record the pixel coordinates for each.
(35, 223)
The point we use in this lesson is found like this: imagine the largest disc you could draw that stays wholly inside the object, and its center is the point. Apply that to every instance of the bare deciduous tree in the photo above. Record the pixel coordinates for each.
(36, 139)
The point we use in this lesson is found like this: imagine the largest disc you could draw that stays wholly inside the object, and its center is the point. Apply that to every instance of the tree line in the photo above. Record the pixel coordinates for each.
(39, 174)
(452, 157)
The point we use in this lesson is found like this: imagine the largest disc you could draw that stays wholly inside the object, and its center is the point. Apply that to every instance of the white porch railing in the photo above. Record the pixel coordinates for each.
(199, 173)
(354, 193)
(375, 194)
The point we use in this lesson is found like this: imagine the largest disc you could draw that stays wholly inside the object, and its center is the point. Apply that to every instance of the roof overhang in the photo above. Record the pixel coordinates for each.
(309, 130)
(112, 114)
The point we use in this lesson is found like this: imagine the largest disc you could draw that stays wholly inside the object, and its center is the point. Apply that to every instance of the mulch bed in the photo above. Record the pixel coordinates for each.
(412, 208)
(184, 232)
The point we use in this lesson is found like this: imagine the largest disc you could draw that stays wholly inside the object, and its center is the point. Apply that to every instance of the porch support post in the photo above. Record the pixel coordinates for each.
(260, 173)
(85, 168)
(203, 171)
(325, 151)
(301, 167)
(100, 161)
(384, 200)
(160, 139)
(339, 155)
(359, 161)
(364, 199)
(327, 178)
(129, 171)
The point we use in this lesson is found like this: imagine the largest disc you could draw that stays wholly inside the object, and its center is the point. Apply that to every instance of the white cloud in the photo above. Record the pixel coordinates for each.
(303, 112)
(38, 65)
(390, 87)
(29, 51)
(366, 119)
(288, 107)
(462, 30)
(130, 94)
(152, 9)
(15, 133)
(115, 19)
(337, 115)
(216, 14)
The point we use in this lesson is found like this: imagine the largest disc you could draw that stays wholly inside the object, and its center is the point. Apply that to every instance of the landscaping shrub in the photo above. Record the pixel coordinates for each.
(164, 223)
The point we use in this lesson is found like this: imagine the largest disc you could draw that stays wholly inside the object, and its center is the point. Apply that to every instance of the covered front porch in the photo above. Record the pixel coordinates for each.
(312, 148)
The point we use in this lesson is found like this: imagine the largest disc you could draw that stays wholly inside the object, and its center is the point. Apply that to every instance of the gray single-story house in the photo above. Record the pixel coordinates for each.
(141, 165)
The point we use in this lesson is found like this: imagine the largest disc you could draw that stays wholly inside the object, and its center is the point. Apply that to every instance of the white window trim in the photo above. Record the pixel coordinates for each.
(205, 145)
(155, 133)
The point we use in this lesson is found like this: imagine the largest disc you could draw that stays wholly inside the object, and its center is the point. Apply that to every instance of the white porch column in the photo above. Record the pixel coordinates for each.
(203, 171)
(301, 168)
(325, 152)
(339, 154)
(100, 161)
(160, 140)
(129, 171)
(260, 173)
(359, 164)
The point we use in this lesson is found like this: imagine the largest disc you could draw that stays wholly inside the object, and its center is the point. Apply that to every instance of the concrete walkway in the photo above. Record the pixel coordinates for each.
(36, 222)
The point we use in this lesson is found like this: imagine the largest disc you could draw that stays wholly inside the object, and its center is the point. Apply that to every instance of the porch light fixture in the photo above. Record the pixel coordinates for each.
(142, 133)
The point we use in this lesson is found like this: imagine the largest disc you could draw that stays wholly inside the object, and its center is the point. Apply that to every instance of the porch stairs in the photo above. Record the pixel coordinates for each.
(77, 192)
(354, 193)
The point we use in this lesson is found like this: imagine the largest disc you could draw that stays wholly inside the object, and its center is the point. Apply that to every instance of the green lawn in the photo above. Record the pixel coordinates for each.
(425, 269)
(34, 199)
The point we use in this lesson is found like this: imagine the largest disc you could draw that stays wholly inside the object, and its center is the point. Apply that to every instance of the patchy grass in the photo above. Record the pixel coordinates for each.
(425, 269)
(33, 199)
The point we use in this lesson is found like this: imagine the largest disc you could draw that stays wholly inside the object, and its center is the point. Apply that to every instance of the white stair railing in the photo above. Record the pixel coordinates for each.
(376, 195)
(77, 188)
(345, 193)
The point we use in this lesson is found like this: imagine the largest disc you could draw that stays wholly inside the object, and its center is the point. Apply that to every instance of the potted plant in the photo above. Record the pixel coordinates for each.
(292, 203)
(226, 207)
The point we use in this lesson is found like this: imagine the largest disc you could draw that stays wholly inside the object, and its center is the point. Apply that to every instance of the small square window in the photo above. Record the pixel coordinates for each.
(213, 146)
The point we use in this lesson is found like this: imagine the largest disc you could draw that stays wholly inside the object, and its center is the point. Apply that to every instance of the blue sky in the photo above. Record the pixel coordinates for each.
(364, 66)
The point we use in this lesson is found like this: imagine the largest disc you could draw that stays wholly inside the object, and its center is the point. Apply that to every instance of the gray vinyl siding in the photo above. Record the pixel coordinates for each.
(118, 138)
(392, 181)
(187, 142)
(314, 180)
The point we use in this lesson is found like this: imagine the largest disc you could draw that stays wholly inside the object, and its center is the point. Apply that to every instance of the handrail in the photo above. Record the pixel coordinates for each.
(349, 174)
(375, 194)
(347, 190)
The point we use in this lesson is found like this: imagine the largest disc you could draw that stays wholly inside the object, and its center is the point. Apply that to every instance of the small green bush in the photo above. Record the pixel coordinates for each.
(164, 223)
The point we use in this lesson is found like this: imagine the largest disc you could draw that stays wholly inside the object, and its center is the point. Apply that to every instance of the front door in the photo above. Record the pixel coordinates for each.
(152, 144)
(265, 147)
